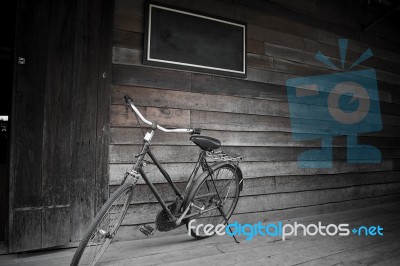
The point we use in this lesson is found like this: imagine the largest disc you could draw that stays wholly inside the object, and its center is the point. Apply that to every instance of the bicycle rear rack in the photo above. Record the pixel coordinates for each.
(220, 156)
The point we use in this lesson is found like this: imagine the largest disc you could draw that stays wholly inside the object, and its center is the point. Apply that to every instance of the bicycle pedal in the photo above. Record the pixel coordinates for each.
(146, 229)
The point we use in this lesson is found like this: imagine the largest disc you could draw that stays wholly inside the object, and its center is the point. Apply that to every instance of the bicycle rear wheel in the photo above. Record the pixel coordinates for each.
(104, 227)
(227, 181)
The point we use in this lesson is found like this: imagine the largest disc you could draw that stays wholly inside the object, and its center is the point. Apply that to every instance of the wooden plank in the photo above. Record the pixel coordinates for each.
(245, 122)
(125, 56)
(369, 255)
(389, 262)
(255, 47)
(4, 194)
(179, 171)
(228, 246)
(55, 226)
(167, 245)
(199, 255)
(169, 117)
(57, 127)
(309, 59)
(26, 145)
(279, 39)
(237, 87)
(275, 185)
(3, 249)
(279, 60)
(25, 230)
(129, 7)
(162, 258)
(168, 154)
(261, 63)
(151, 77)
(222, 103)
(120, 135)
(234, 87)
(103, 103)
(127, 39)
(325, 41)
(143, 213)
(193, 101)
(308, 198)
(129, 22)
(83, 111)
(132, 232)
(301, 249)
(359, 46)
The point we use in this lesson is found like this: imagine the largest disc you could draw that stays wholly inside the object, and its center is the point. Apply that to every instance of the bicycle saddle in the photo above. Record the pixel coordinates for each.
(206, 143)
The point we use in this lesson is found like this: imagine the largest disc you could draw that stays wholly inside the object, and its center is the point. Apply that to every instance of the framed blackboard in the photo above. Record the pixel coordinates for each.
(181, 39)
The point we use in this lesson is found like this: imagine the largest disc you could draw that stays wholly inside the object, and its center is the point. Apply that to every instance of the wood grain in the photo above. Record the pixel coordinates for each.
(251, 116)
(25, 230)
(200, 101)
(141, 213)
(122, 135)
(180, 171)
(151, 77)
(168, 154)
(276, 184)
(132, 232)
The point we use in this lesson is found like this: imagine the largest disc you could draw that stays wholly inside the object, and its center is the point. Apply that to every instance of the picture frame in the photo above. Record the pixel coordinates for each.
(187, 40)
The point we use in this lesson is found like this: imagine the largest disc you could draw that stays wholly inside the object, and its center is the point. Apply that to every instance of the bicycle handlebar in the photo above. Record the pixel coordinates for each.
(129, 101)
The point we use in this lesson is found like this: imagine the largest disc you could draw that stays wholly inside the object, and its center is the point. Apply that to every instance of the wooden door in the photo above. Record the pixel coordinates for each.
(59, 121)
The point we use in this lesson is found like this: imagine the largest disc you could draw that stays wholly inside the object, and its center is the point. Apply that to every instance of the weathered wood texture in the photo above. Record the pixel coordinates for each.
(90, 112)
(261, 250)
(3, 201)
(60, 120)
(251, 116)
(38, 165)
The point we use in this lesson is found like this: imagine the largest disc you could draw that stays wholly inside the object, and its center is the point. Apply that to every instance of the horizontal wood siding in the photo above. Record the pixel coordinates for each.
(250, 116)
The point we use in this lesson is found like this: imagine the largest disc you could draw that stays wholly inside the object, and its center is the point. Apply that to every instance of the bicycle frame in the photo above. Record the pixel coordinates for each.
(138, 168)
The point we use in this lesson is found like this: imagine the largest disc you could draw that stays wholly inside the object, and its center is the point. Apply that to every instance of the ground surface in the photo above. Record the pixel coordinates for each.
(297, 250)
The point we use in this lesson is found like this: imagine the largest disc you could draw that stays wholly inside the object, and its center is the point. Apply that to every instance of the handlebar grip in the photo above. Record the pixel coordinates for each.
(196, 131)
(128, 99)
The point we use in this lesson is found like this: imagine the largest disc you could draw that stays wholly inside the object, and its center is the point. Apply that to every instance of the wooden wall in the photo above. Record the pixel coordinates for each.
(250, 116)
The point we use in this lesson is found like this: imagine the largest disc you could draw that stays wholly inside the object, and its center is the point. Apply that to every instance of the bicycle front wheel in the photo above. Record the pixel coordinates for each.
(203, 195)
(104, 227)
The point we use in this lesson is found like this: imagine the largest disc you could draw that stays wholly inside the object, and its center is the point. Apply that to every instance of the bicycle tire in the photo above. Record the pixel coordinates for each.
(91, 234)
(204, 185)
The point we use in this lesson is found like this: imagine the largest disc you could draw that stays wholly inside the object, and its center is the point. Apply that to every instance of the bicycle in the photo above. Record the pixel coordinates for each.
(210, 197)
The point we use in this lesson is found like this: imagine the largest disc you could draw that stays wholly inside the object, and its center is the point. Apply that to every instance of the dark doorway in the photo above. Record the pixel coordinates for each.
(7, 26)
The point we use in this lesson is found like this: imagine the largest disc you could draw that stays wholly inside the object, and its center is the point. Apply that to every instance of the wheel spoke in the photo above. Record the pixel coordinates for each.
(221, 191)
(104, 228)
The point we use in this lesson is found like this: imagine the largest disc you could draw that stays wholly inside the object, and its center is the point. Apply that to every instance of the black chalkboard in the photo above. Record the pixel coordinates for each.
(185, 40)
